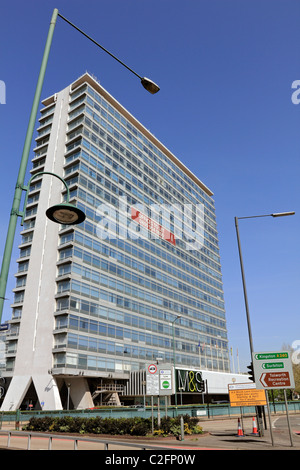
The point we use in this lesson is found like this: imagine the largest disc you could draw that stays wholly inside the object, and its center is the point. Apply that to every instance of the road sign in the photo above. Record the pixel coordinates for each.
(246, 395)
(159, 380)
(152, 368)
(275, 380)
(273, 370)
(165, 379)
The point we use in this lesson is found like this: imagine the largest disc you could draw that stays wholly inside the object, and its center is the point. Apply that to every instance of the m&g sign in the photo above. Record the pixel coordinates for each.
(189, 381)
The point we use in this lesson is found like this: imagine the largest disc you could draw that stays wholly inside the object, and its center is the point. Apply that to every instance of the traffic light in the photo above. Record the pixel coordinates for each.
(251, 372)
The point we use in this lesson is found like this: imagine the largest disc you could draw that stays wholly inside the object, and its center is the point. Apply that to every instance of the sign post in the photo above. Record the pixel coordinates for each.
(274, 370)
(159, 382)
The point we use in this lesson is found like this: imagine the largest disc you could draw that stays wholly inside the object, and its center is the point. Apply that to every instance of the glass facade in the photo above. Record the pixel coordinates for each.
(144, 267)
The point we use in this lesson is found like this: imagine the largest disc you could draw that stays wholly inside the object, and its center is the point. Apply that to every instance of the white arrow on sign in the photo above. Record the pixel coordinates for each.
(262, 380)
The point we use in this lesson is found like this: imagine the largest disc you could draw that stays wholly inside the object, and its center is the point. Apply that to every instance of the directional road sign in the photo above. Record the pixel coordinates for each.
(273, 370)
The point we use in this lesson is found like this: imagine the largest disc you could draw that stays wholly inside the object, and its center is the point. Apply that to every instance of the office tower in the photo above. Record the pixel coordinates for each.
(94, 303)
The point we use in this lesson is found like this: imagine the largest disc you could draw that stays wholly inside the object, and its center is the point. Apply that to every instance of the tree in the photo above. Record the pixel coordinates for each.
(295, 355)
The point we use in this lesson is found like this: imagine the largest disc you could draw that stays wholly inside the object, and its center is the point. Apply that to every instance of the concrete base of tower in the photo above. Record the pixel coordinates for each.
(16, 392)
(78, 392)
(46, 391)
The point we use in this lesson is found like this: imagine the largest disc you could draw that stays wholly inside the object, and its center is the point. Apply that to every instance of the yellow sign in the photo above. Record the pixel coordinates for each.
(246, 396)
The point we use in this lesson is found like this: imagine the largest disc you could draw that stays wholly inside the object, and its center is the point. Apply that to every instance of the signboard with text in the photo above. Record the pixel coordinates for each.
(189, 381)
(246, 395)
(159, 379)
(273, 370)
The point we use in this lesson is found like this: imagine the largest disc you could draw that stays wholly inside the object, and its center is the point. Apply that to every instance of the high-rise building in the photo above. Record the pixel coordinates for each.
(94, 303)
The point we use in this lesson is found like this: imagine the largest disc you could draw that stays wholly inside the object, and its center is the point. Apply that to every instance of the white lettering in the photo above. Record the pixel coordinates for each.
(115, 460)
(295, 98)
(2, 92)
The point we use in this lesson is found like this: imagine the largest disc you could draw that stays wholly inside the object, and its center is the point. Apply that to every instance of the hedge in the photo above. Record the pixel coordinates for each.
(113, 426)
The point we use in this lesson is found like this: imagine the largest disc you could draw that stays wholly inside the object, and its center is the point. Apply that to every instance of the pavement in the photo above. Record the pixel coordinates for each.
(223, 434)
(218, 434)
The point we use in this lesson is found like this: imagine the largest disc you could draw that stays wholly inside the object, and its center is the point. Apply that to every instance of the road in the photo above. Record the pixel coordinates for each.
(219, 434)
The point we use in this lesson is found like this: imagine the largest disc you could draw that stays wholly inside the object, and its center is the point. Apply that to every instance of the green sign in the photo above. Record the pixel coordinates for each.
(279, 355)
(273, 370)
(166, 384)
(273, 365)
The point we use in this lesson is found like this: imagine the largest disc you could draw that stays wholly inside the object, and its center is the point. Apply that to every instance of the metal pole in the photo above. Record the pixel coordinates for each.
(259, 422)
(158, 411)
(152, 415)
(23, 166)
(68, 400)
(244, 285)
(174, 361)
(287, 417)
(269, 415)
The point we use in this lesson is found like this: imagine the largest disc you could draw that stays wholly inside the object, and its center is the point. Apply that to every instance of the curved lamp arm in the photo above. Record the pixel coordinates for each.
(64, 213)
(26, 188)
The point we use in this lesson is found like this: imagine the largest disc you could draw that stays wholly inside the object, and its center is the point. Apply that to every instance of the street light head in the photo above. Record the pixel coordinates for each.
(176, 318)
(66, 214)
(282, 214)
(149, 85)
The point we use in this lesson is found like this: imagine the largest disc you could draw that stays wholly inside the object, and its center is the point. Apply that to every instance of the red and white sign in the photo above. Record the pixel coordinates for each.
(152, 226)
(275, 380)
(152, 368)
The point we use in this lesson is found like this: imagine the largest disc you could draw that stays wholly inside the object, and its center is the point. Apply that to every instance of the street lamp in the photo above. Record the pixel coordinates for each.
(276, 214)
(148, 84)
(174, 358)
(60, 213)
(64, 213)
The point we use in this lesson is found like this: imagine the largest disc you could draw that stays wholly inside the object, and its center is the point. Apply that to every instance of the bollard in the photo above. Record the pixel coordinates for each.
(182, 428)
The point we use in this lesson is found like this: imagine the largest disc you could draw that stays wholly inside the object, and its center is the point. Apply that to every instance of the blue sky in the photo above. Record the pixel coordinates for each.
(225, 69)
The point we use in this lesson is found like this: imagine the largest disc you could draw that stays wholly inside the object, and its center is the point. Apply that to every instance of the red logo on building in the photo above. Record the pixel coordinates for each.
(153, 226)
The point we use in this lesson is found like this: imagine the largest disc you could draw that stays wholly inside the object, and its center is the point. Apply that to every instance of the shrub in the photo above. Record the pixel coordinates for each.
(113, 426)
(39, 424)
(141, 427)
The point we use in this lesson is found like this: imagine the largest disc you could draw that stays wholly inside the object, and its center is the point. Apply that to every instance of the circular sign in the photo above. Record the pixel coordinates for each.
(152, 368)
(166, 384)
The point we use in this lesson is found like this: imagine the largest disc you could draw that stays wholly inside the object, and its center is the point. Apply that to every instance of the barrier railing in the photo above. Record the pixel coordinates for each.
(30, 435)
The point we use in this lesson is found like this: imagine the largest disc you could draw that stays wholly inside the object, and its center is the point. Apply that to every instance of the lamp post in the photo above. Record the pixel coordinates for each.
(174, 359)
(148, 84)
(277, 214)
